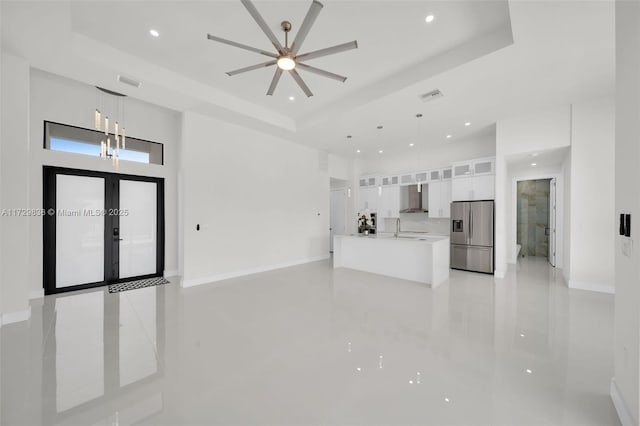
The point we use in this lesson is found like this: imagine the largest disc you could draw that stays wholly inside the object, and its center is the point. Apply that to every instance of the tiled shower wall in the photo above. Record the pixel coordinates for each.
(533, 217)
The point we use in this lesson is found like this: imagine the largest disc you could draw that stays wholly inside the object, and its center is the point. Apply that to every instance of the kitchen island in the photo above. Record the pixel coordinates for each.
(424, 259)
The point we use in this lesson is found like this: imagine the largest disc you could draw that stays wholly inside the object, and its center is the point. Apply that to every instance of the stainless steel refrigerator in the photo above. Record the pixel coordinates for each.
(472, 236)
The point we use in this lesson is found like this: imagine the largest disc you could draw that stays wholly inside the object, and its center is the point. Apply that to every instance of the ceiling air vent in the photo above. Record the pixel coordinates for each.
(131, 82)
(434, 94)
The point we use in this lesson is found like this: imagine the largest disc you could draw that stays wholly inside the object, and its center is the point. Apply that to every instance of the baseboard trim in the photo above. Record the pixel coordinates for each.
(214, 278)
(171, 273)
(13, 317)
(36, 294)
(589, 286)
(621, 408)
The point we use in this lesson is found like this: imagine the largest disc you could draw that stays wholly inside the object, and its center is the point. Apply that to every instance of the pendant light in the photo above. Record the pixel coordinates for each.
(116, 108)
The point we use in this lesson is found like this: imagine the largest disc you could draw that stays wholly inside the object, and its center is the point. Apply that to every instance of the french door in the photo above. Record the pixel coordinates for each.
(100, 228)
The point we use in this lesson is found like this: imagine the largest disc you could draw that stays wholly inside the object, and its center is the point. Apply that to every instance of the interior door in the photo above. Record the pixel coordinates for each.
(338, 215)
(552, 222)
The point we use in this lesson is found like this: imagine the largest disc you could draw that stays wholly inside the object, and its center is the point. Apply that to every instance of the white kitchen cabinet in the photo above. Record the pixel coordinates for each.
(422, 177)
(462, 170)
(440, 199)
(367, 181)
(484, 187)
(447, 173)
(473, 188)
(388, 205)
(484, 167)
(407, 179)
(390, 180)
(390, 202)
(368, 198)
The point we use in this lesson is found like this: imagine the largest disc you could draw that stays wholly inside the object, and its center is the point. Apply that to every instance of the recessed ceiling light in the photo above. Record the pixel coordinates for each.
(449, 136)
(154, 33)
(292, 98)
(447, 400)
(467, 124)
(533, 164)
(411, 144)
(358, 151)
(521, 334)
(410, 382)
(528, 370)
(380, 152)
(429, 19)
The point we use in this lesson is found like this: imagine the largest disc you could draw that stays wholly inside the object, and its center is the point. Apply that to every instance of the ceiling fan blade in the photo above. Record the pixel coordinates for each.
(241, 46)
(262, 24)
(274, 82)
(301, 83)
(321, 72)
(328, 50)
(312, 14)
(251, 68)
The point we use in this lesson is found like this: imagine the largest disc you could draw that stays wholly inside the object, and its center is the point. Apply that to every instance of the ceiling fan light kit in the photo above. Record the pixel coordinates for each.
(287, 58)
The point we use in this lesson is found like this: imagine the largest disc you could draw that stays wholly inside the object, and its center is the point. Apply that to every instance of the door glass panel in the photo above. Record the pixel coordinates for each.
(138, 228)
(79, 230)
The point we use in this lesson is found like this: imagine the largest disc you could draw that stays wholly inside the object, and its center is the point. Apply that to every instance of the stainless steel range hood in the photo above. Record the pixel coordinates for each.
(411, 201)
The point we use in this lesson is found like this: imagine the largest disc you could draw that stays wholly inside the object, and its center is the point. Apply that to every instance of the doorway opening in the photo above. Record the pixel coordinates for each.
(338, 209)
(535, 218)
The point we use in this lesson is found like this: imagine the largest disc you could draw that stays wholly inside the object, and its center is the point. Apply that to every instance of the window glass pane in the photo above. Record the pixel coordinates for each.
(63, 138)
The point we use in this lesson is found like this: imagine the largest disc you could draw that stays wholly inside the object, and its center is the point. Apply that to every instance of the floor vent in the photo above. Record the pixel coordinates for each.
(132, 285)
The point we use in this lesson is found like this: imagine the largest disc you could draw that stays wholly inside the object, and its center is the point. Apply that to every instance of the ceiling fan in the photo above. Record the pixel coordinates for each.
(287, 57)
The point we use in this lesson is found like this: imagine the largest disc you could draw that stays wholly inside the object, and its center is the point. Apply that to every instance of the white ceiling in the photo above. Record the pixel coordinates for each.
(491, 59)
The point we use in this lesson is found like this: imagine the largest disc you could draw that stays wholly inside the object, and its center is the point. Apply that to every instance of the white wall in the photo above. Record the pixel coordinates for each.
(261, 201)
(14, 187)
(627, 200)
(540, 131)
(592, 196)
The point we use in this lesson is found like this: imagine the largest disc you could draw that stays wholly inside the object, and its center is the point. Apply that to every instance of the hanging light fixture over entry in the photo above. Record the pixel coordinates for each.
(112, 104)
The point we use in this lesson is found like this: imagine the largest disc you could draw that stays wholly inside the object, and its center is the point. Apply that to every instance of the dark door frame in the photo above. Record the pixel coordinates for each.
(111, 227)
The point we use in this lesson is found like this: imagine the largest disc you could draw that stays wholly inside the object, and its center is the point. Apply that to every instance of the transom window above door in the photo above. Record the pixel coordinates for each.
(76, 140)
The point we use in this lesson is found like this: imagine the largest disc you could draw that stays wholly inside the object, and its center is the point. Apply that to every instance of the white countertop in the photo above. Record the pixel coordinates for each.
(409, 237)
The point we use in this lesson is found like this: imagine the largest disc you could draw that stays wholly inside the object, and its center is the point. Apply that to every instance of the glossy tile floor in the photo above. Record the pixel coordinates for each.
(310, 345)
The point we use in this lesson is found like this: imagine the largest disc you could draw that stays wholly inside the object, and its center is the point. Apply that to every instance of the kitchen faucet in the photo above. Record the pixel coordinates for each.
(397, 227)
